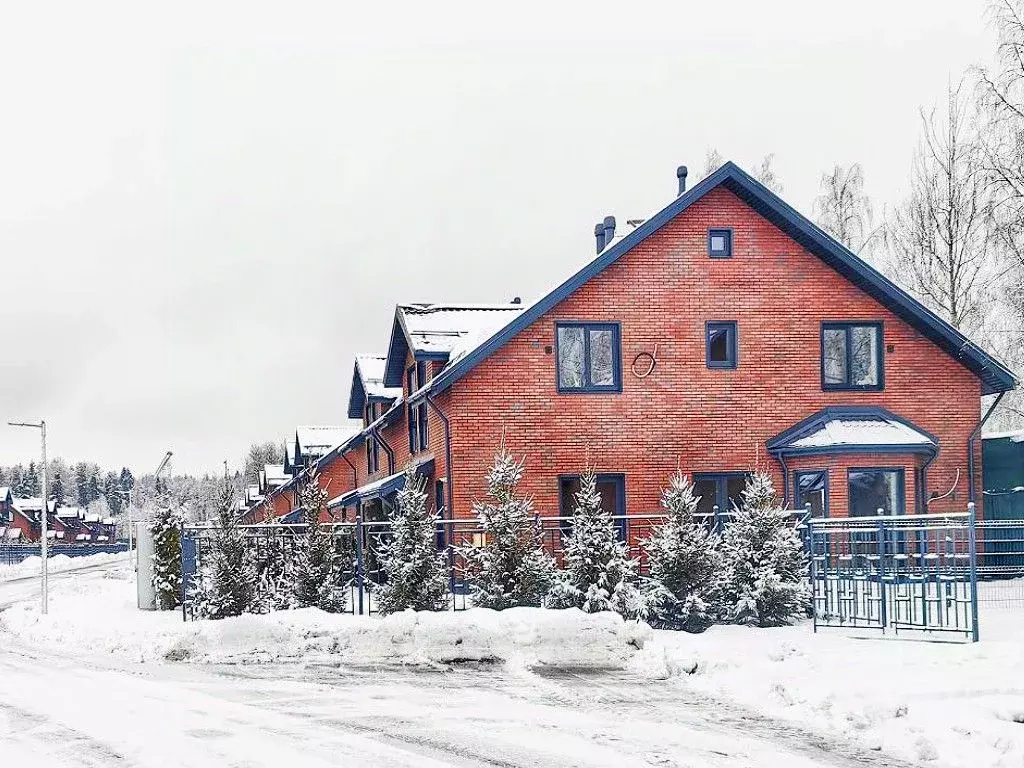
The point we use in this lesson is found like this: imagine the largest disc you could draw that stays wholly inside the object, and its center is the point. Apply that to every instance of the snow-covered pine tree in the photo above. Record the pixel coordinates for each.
(684, 563)
(166, 530)
(511, 568)
(274, 572)
(764, 564)
(31, 481)
(318, 567)
(227, 578)
(416, 573)
(599, 576)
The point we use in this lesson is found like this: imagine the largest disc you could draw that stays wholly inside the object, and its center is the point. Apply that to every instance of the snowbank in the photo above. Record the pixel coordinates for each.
(912, 697)
(98, 612)
(30, 566)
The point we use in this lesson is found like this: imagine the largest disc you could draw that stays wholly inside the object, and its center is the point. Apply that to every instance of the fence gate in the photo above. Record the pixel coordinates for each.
(905, 572)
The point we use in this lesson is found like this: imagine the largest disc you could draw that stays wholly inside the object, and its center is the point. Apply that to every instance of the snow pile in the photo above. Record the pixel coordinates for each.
(958, 704)
(97, 612)
(58, 564)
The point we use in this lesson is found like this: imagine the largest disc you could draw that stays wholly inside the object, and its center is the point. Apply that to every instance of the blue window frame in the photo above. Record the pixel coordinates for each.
(416, 413)
(410, 410)
(852, 356)
(372, 455)
(720, 243)
(718, 488)
(874, 488)
(612, 488)
(588, 357)
(810, 486)
(720, 346)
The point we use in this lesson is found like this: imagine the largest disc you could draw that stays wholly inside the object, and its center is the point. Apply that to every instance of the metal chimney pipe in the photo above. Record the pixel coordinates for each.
(599, 234)
(609, 230)
(681, 175)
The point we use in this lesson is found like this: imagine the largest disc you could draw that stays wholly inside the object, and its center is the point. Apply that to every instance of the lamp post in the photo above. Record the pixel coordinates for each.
(156, 476)
(41, 426)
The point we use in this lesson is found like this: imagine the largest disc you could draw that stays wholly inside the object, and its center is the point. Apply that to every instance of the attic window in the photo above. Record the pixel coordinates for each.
(720, 243)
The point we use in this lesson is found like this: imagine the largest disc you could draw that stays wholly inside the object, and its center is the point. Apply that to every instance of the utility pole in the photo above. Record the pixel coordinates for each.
(45, 544)
(131, 526)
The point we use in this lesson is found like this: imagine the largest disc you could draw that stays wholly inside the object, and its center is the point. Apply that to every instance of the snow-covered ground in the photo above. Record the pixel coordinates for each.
(30, 566)
(543, 688)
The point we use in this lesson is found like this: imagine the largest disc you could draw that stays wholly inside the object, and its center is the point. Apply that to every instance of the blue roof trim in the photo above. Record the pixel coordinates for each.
(398, 350)
(391, 484)
(994, 376)
(781, 442)
(356, 394)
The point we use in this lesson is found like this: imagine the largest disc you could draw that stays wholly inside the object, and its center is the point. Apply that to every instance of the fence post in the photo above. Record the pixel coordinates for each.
(972, 543)
(359, 560)
(189, 568)
(718, 520)
(883, 610)
(811, 546)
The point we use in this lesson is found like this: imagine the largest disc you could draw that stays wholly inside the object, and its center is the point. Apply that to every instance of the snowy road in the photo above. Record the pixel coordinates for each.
(72, 710)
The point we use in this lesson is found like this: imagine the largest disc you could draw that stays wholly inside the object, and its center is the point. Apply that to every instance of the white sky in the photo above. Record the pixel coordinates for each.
(207, 208)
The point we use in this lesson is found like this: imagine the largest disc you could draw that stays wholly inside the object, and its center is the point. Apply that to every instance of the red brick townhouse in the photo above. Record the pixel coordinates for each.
(725, 333)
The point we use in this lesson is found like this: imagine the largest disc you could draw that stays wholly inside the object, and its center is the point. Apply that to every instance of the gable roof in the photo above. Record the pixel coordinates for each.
(441, 331)
(315, 441)
(368, 385)
(995, 377)
(842, 429)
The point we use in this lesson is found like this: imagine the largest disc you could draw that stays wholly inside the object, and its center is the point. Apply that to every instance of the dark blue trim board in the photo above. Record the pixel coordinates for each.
(725, 253)
(780, 444)
(994, 376)
(356, 394)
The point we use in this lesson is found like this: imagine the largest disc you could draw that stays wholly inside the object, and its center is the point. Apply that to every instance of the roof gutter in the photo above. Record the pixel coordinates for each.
(387, 449)
(970, 447)
(447, 452)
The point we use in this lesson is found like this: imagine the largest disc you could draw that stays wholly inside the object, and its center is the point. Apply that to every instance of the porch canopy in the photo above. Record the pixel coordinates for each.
(853, 429)
(379, 488)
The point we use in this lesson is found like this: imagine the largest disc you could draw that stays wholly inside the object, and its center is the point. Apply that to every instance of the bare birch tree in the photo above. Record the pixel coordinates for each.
(940, 237)
(843, 209)
(764, 172)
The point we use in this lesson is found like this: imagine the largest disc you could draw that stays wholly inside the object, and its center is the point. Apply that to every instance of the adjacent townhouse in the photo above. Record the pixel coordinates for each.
(724, 334)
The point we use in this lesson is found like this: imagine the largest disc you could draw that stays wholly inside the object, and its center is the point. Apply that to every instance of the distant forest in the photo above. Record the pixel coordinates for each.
(83, 484)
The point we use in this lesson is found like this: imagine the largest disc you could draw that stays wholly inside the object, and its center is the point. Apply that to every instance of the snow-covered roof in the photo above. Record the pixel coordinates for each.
(30, 504)
(91, 517)
(13, 533)
(4, 490)
(371, 373)
(70, 512)
(109, 521)
(82, 537)
(1015, 437)
(446, 327)
(317, 440)
(274, 475)
(853, 428)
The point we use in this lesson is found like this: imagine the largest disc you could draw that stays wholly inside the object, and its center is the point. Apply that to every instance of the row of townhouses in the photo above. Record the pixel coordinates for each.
(21, 522)
(723, 334)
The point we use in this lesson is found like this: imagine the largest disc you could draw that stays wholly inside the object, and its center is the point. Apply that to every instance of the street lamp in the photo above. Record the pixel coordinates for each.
(41, 426)
(156, 476)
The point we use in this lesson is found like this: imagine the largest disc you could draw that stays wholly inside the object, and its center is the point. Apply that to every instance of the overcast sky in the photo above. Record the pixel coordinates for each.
(207, 208)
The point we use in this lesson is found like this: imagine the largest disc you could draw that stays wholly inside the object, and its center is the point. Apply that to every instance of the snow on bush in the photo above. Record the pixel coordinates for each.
(226, 581)
(511, 567)
(317, 567)
(762, 578)
(416, 574)
(166, 530)
(598, 576)
(684, 564)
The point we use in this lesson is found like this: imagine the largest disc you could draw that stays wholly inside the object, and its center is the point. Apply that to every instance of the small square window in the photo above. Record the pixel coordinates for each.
(720, 243)
(720, 344)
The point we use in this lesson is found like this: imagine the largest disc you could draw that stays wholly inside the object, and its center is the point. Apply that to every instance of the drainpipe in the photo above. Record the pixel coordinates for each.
(970, 447)
(355, 475)
(447, 453)
(781, 458)
(387, 449)
(923, 492)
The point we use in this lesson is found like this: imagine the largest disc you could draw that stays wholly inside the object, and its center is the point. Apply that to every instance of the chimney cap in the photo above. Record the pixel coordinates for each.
(609, 221)
(599, 228)
(681, 172)
(517, 300)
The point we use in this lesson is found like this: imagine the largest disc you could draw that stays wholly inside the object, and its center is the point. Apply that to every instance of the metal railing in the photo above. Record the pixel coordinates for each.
(12, 553)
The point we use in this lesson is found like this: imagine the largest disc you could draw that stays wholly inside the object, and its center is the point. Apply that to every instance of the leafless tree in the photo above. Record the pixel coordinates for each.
(940, 237)
(765, 173)
(713, 160)
(843, 209)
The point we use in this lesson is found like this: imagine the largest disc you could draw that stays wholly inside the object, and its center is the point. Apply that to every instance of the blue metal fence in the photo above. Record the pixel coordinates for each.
(12, 554)
(905, 572)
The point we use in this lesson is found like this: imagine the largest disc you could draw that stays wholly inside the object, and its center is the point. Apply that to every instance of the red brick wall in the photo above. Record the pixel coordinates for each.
(684, 415)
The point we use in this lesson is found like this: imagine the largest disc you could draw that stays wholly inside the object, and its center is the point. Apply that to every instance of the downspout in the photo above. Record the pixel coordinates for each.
(970, 447)
(781, 458)
(387, 449)
(447, 453)
(923, 492)
(355, 483)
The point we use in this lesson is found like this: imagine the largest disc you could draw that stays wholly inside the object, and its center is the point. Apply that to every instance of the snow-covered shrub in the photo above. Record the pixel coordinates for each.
(684, 561)
(226, 583)
(318, 567)
(511, 568)
(764, 562)
(274, 573)
(416, 574)
(599, 576)
(166, 530)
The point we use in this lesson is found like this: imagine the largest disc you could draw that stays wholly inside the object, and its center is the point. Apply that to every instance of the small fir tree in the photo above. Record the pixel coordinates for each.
(57, 489)
(684, 562)
(227, 579)
(318, 567)
(166, 530)
(416, 574)
(274, 576)
(764, 563)
(511, 568)
(599, 576)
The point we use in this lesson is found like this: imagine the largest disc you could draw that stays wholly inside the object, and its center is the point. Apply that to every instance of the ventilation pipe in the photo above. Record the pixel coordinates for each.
(609, 230)
(681, 175)
(599, 234)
